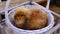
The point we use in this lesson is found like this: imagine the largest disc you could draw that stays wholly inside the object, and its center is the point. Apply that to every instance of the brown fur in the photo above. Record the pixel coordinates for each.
(20, 15)
(36, 18)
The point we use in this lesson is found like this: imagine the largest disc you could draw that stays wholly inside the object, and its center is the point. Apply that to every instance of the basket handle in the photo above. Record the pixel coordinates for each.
(47, 7)
(57, 15)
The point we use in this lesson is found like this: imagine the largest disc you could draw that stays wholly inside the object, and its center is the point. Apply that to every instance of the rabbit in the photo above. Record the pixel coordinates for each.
(30, 19)
(20, 16)
(37, 20)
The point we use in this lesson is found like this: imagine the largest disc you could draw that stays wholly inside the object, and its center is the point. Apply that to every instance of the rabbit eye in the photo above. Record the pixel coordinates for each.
(21, 14)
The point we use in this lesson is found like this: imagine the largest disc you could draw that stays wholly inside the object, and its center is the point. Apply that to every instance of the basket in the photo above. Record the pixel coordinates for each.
(39, 31)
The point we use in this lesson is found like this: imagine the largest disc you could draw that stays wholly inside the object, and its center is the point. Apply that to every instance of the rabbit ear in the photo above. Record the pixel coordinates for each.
(53, 29)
